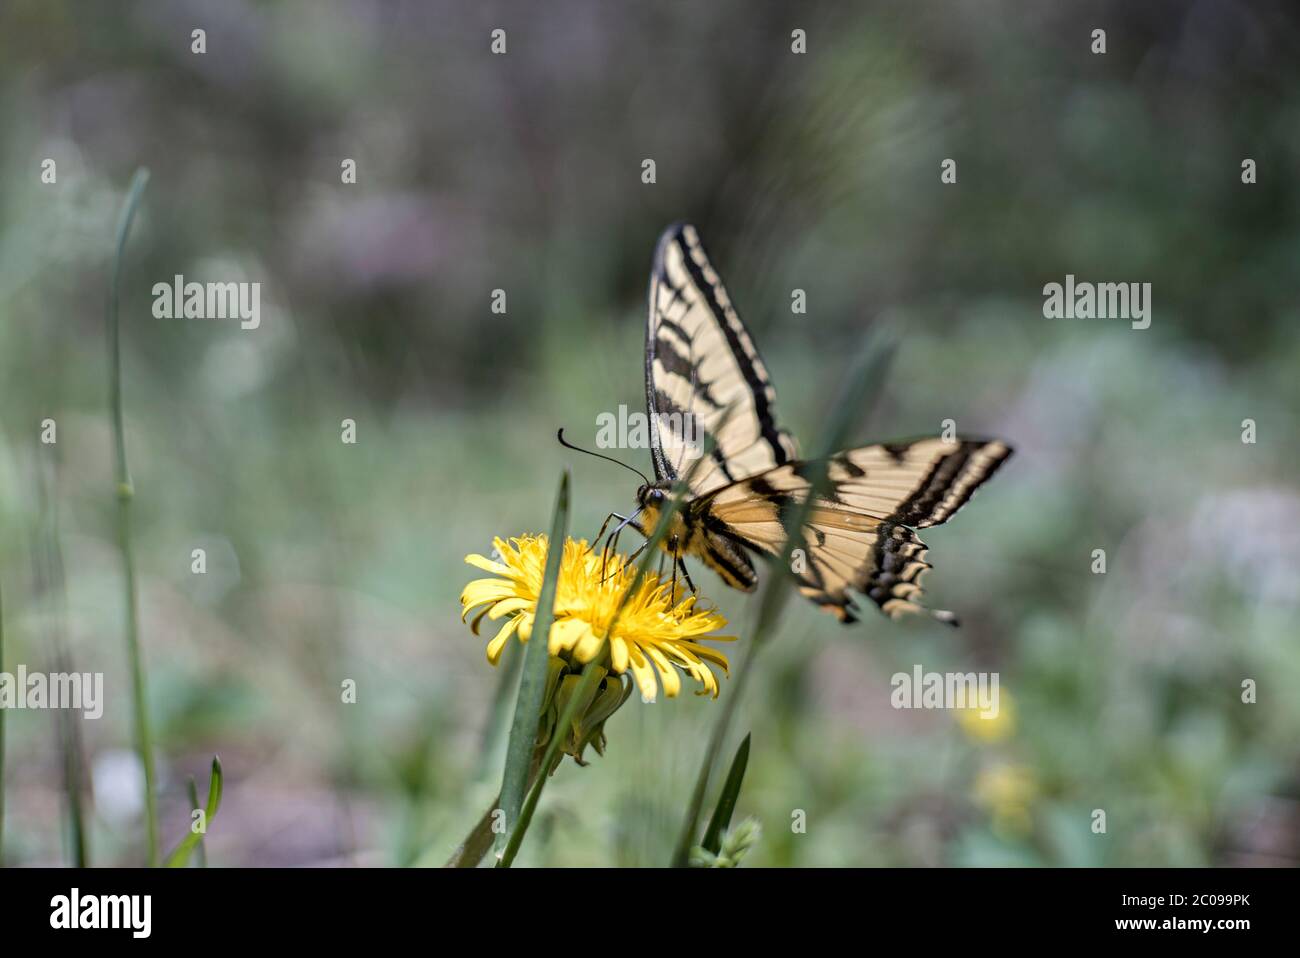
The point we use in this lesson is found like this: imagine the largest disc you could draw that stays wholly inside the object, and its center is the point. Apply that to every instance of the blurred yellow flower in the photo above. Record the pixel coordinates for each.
(992, 728)
(1008, 792)
(655, 636)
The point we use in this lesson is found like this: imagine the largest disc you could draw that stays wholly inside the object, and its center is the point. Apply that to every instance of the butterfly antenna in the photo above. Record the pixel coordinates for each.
(568, 445)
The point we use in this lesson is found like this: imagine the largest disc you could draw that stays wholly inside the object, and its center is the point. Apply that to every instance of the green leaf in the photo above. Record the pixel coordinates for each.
(181, 856)
(727, 800)
(532, 684)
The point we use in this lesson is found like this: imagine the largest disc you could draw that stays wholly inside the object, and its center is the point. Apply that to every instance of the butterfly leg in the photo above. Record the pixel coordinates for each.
(605, 525)
(612, 541)
(687, 576)
(604, 552)
(639, 550)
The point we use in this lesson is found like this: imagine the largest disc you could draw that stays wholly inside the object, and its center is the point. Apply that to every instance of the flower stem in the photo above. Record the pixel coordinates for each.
(125, 493)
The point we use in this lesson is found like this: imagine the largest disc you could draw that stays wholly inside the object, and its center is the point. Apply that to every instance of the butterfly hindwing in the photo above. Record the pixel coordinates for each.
(858, 537)
(707, 388)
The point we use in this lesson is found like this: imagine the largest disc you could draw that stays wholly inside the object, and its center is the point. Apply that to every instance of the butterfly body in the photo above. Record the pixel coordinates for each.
(706, 380)
(689, 534)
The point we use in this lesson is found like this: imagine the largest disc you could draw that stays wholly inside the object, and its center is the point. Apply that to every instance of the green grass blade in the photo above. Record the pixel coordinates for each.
(125, 493)
(727, 800)
(857, 396)
(532, 683)
(181, 856)
(200, 850)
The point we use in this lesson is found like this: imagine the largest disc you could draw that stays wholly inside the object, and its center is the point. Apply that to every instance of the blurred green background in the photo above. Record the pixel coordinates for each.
(522, 172)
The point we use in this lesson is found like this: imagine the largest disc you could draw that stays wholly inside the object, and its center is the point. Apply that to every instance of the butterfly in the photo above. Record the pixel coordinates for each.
(712, 425)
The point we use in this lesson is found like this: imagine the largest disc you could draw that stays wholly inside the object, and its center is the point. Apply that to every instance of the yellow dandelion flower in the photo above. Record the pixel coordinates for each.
(656, 637)
(988, 729)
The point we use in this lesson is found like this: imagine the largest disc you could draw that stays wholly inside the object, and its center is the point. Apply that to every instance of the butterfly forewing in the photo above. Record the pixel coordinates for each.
(706, 385)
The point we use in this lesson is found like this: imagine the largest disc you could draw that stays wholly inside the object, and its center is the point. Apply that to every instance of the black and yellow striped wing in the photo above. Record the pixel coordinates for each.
(859, 537)
(707, 389)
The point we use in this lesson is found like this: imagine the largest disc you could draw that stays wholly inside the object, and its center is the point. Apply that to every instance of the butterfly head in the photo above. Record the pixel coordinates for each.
(649, 494)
